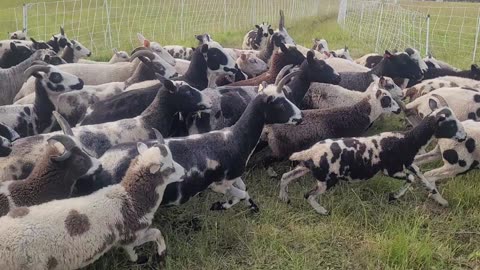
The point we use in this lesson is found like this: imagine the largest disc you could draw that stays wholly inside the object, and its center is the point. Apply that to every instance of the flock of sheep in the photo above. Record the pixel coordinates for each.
(90, 150)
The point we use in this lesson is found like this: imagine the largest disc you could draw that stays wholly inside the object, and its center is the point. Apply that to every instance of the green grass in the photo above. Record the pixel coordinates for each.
(364, 231)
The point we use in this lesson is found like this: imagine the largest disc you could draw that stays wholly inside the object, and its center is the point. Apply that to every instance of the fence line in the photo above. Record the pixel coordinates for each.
(104, 24)
(449, 31)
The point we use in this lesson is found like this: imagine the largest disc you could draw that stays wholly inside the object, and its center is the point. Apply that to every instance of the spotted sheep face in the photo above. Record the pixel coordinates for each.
(158, 160)
(388, 84)
(320, 45)
(58, 81)
(60, 38)
(447, 125)
(319, 71)
(343, 53)
(20, 35)
(218, 60)
(401, 66)
(78, 49)
(263, 31)
(386, 101)
(278, 109)
(186, 98)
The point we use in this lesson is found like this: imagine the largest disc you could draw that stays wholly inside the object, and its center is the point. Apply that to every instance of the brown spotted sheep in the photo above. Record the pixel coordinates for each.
(427, 86)
(73, 233)
(52, 178)
(362, 158)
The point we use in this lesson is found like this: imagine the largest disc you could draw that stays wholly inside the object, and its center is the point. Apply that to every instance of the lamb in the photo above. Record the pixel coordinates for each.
(465, 102)
(321, 124)
(447, 81)
(104, 73)
(76, 232)
(326, 96)
(392, 65)
(361, 158)
(11, 79)
(458, 157)
(28, 120)
(257, 39)
(288, 55)
(118, 56)
(98, 138)
(53, 176)
(19, 34)
(230, 102)
(216, 159)
(320, 45)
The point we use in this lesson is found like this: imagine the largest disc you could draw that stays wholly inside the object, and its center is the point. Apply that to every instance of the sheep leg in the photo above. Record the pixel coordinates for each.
(132, 255)
(237, 195)
(403, 176)
(430, 186)
(150, 235)
(288, 177)
(446, 171)
(428, 157)
(240, 184)
(312, 195)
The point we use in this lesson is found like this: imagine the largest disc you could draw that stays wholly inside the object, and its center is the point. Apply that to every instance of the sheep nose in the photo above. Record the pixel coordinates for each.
(89, 54)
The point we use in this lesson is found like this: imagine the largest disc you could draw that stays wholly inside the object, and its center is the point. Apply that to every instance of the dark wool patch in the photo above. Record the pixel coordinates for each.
(52, 263)
(163, 150)
(476, 98)
(336, 151)
(19, 212)
(462, 163)
(472, 116)
(451, 156)
(470, 145)
(76, 223)
(4, 206)
(26, 170)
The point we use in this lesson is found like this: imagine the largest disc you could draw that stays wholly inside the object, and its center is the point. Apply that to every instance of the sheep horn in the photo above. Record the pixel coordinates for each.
(67, 143)
(281, 24)
(285, 79)
(62, 32)
(159, 136)
(281, 73)
(67, 130)
(442, 101)
(35, 68)
(150, 55)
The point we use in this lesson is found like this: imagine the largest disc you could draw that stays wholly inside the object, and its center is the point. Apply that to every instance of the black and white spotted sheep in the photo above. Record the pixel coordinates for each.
(257, 39)
(180, 52)
(430, 85)
(37, 118)
(362, 158)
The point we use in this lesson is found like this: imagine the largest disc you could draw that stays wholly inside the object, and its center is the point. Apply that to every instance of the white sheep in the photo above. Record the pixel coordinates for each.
(73, 233)
(118, 56)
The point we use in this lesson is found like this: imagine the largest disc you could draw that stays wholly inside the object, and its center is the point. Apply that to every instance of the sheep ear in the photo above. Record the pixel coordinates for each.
(140, 37)
(204, 48)
(13, 47)
(432, 104)
(270, 31)
(154, 168)
(375, 77)
(62, 31)
(310, 57)
(387, 54)
(170, 86)
(146, 43)
(141, 147)
(257, 26)
(474, 67)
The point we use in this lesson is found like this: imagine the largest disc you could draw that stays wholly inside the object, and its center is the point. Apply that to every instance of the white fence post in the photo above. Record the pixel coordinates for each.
(342, 12)
(181, 20)
(109, 28)
(379, 28)
(224, 15)
(476, 37)
(25, 18)
(427, 39)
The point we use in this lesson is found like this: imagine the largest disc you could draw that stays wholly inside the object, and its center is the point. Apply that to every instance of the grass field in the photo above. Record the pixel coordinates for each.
(363, 231)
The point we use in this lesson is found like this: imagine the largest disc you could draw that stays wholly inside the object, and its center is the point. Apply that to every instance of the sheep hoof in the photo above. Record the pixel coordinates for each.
(160, 259)
(254, 207)
(142, 259)
(218, 206)
(391, 197)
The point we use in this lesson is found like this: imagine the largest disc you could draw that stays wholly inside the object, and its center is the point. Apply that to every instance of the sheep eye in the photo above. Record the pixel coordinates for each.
(78, 48)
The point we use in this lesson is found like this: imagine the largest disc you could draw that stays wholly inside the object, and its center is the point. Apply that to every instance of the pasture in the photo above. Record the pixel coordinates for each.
(363, 231)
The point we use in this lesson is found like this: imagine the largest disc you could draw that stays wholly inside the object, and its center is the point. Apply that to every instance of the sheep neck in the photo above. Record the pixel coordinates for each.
(14, 78)
(196, 74)
(420, 135)
(68, 55)
(267, 51)
(141, 73)
(43, 108)
(161, 111)
(298, 88)
(49, 180)
(249, 127)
